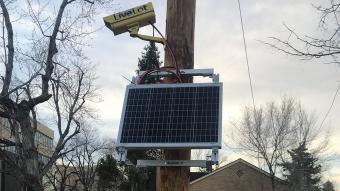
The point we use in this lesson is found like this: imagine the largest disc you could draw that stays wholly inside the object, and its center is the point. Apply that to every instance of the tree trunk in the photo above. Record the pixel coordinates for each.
(273, 182)
(30, 154)
(180, 27)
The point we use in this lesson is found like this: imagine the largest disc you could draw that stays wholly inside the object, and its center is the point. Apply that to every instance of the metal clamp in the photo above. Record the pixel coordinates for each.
(121, 151)
(214, 155)
(216, 78)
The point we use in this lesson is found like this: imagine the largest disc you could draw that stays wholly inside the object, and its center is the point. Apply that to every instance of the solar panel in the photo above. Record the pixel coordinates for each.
(172, 116)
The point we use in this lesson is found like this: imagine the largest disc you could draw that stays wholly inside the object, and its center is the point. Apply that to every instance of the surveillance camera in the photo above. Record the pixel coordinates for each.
(136, 17)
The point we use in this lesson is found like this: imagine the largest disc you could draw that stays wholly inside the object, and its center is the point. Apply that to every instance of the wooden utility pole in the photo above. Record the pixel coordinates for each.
(180, 29)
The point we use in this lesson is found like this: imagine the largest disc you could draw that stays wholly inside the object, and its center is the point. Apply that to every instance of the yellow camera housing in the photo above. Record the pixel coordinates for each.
(136, 17)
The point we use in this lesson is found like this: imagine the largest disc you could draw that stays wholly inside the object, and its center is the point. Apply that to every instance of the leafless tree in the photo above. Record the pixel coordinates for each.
(266, 133)
(325, 46)
(31, 66)
(61, 176)
(77, 168)
(86, 152)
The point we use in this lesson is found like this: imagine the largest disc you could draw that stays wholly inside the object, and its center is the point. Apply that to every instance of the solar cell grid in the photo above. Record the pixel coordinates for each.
(160, 114)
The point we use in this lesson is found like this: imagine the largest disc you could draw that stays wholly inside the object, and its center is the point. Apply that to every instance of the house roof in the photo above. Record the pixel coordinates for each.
(233, 163)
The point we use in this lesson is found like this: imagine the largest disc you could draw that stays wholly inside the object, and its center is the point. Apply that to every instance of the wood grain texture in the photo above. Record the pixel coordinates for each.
(180, 33)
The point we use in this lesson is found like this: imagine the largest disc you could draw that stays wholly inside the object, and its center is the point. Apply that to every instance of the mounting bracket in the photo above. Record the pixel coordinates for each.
(209, 72)
(121, 151)
(156, 163)
(214, 155)
(133, 30)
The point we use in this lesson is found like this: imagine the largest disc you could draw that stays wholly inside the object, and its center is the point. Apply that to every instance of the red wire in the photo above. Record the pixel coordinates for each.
(167, 45)
(166, 69)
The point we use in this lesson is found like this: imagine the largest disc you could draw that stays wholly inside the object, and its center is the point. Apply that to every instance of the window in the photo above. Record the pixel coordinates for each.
(44, 140)
(43, 158)
(9, 149)
(5, 123)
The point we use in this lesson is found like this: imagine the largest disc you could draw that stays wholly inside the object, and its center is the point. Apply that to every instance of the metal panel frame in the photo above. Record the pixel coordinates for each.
(198, 145)
(156, 163)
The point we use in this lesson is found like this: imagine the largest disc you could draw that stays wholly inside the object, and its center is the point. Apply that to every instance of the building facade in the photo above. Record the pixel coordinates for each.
(44, 142)
(237, 176)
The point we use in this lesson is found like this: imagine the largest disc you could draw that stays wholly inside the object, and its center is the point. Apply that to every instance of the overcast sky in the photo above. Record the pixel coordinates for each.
(219, 45)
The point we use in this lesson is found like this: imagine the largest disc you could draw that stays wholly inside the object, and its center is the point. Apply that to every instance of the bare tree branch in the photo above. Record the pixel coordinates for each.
(305, 47)
(10, 46)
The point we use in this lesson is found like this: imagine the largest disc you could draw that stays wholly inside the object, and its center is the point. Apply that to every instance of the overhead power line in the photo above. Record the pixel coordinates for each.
(246, 54)
(249, 74)
(331, 106)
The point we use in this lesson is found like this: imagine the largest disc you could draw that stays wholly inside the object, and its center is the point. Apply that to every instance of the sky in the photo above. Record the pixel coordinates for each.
(219, 45)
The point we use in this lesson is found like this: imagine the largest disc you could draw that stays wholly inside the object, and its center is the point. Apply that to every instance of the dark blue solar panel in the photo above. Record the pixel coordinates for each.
(171, 114)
